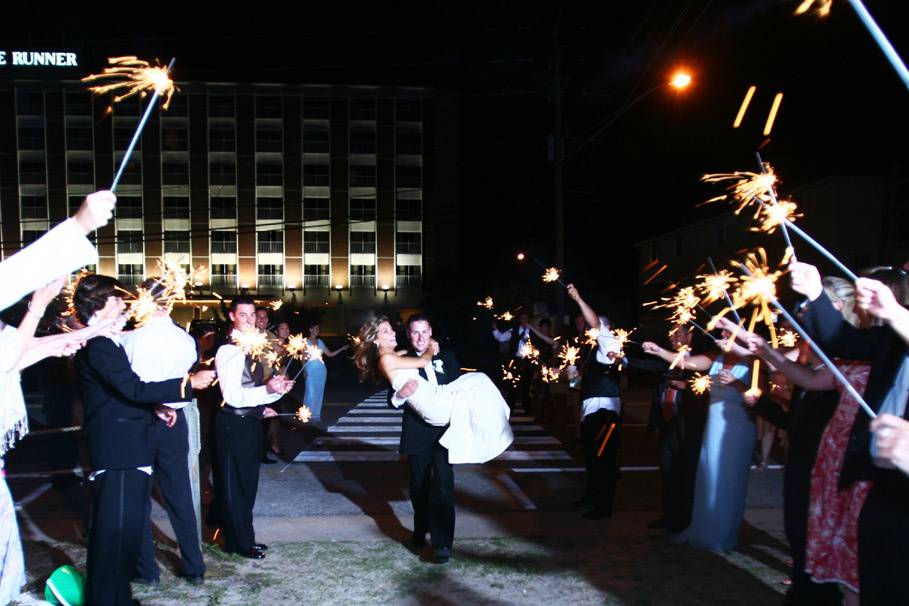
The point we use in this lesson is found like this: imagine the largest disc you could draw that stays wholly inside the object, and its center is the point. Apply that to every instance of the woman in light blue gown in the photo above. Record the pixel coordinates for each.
(316, 374)
(726, 450)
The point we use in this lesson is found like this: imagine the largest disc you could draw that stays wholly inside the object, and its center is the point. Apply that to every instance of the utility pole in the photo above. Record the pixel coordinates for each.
(558, 156)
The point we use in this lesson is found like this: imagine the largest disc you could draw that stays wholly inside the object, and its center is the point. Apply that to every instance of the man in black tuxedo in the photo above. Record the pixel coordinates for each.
(118, 423)
(883, 532)
(523, 337)
(431, 475)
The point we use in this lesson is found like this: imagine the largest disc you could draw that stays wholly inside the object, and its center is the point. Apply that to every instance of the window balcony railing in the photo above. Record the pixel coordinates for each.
(320, 281)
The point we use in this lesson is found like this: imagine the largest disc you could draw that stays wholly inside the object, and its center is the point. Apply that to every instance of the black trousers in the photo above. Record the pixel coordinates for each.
(119, 512)
(520, 391)
(171, 452)
(238, 445)
(432, 495)
(679, 444)
(883, 541)
(602, 467)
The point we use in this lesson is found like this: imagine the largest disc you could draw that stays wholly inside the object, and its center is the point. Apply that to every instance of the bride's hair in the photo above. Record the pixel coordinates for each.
(366, 352)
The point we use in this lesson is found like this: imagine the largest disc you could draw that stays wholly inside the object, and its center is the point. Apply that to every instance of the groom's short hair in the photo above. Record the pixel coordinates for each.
(418, 317)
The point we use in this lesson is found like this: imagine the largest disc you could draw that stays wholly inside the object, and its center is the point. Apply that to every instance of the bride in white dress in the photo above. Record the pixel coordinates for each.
(471, 405)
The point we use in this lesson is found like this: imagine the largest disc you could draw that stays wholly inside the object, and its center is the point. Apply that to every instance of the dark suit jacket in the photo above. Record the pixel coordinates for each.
(690, 404)
(884, 348)
(417, 436)
(118, 405)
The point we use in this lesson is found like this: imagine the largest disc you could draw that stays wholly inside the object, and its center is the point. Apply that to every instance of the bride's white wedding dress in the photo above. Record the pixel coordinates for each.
(471, 406)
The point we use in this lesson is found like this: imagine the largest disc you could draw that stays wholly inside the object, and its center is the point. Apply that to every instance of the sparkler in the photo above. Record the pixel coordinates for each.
(746, 187)
(303, 414)
(552, 275)
(820, 354)
(700, 383)
(276, 305)
(169, 288)
(621, 335)
(823, 9)
(570, 355)
(787, 338)
(308, 353)
(683, 352)
(254, 344)
(509, 376)
(683, 304)
(135, 77)
(591, 336)
(550, 375)
(506, 316)
(485, 303)
(754, 390)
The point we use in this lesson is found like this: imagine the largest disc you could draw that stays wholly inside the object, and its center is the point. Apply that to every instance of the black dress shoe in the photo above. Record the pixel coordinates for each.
(597, 513)
(443, 554)
(144, 581)
(252, 554)
(193, 579)
(418, 539)
(260, 546)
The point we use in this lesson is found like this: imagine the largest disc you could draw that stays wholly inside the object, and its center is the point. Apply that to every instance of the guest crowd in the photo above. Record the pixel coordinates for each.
(846, 490)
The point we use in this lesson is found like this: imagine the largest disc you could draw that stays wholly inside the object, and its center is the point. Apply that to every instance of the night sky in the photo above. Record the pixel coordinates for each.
(634, 149)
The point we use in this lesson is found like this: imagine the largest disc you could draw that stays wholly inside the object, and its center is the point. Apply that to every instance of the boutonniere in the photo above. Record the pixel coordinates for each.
(437, 365)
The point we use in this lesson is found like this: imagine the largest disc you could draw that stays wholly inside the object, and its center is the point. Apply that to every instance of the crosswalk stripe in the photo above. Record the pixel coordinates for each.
(318, 456)
(369, 420)
(392, 441)
(395, 427)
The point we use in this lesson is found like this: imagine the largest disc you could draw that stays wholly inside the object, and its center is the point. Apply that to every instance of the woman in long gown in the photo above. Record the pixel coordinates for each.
(471, 405)
(315, 373)
(721, 484)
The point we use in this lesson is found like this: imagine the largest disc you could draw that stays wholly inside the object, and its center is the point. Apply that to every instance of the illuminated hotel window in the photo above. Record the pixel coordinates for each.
(223, 242)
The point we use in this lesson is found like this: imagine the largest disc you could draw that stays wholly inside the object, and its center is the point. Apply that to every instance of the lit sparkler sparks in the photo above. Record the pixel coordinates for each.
(788, 338)
(296, 345)
(253, 343)
(133, 76)
(747, 187)
(700, 383)
(621, 335)
(683, 352)
(821, 8)
(313, 352)
(550, 375)
(303, 414)
(714, 287)
(485, 303)
(570, 355)
(773, 215)
(683, 304)
(591, 336)
(551, 275)
(757, 287)
(276, 305)
(506, 316)
(354, 339)
(508, 376)
(531, 353)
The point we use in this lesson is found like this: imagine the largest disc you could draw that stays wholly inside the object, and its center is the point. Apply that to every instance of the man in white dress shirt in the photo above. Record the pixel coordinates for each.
(238, 432)
(157, 351)
(601, 416)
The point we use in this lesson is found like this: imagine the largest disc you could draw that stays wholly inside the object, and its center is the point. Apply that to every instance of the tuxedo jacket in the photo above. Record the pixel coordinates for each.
(688, 404)
(417, 436)
(886, 351)
(119, 405)
(536, 341)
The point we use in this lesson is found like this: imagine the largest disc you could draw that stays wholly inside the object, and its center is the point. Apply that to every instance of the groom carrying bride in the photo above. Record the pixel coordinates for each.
(431, 475)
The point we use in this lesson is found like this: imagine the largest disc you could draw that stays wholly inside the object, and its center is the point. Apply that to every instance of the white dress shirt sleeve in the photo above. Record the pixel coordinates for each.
(229, 362)
(606, 342)
(57, 253)
(502, 336)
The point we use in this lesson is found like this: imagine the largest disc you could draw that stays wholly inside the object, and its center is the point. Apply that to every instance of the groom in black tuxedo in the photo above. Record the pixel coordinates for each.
(431, 475)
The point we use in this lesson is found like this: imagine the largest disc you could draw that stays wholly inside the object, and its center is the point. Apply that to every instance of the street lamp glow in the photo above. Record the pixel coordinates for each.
(520, 256)
(680, 80)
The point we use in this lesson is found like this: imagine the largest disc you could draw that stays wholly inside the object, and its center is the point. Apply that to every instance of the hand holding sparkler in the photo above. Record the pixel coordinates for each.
(877, 299)
(279, 384)
(202, 379)
(96, 210)
(805, 280)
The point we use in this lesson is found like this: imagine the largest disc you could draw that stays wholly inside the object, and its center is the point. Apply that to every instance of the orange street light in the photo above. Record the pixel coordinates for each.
(680, 80)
